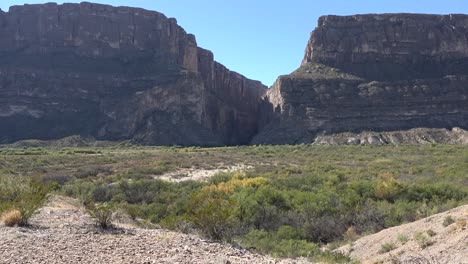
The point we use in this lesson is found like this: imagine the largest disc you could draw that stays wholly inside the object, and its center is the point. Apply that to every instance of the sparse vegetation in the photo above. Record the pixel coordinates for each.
(461, 223)
(11, 218)
(422, 239)
(351, 234)
(431, 233)
(448, 220)
(402, 238)
(319, 194)
(101, 213)
(386, 247)
(22, 195)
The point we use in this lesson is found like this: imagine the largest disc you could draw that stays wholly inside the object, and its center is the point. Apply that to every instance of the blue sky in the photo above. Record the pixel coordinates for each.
(263, 39)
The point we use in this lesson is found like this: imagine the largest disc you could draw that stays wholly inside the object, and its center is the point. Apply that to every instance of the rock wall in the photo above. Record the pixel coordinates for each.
(373, 73)
(391, 46)
(116, 73)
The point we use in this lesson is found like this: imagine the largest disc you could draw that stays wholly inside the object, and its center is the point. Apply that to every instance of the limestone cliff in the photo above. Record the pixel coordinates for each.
(373, 73)
(116, 73)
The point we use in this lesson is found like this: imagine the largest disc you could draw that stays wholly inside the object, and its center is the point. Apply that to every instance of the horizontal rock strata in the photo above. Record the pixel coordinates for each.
(385, 72)
(116, 73)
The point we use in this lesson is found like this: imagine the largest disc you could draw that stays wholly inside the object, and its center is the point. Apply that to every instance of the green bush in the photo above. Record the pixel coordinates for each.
(431, 233)
(422, 239)
(287, 242)
(402, 238)
(448, 220)
(277, 244)
(101, 213)
(386, 247)
(212, 214)
(25, 195)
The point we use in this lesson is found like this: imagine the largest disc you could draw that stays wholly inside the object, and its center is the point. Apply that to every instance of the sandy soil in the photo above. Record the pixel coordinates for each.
(429, 241)
(199, 174)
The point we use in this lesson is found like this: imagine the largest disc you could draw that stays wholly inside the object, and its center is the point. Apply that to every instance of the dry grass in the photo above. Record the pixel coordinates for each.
(12, 217)
(461, 223)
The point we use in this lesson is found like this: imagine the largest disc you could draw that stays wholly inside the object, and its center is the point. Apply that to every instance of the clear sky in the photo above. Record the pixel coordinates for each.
(263, 39)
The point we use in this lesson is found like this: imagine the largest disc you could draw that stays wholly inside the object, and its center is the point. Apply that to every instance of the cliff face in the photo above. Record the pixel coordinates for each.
(126, 73)
(373, 73)
(116, 73)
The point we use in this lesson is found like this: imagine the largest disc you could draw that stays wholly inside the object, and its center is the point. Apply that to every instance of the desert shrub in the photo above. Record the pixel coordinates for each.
(11, 218)
(79, 189)
(386, 247)
(422, 239)
(351, 234)
(11, 187)
(93, 171)
(86, 151)
(55, 178)
(213, 214)
(276, 244)
(101, 213)
(387, 187)
(402, 238)
(431, 233)
(288, 242)
(461, 223)
(220, 177)
(31, 200)
(448, 220)
(434, 192)
(324, 229)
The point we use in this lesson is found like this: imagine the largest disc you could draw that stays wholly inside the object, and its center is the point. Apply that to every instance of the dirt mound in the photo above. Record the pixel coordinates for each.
(63, 233)
(441, 238)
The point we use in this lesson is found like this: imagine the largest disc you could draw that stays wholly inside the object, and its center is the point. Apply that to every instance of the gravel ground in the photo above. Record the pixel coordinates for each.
(445, 244)
(62, 233)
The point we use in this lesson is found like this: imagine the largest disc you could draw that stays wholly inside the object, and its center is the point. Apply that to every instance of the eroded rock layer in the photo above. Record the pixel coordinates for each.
(385, 72)
(116, 73)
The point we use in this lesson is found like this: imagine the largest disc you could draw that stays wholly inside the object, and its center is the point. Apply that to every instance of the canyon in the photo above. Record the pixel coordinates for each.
(121, 73)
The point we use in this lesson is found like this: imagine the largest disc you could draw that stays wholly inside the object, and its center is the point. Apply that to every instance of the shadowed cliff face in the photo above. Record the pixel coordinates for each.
(126, 73)
(116, 73)
(373, 73)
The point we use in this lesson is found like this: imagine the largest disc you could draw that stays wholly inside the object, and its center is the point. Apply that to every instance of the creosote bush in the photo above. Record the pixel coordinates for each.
(101, 213)
(31, 200)
(23, 196)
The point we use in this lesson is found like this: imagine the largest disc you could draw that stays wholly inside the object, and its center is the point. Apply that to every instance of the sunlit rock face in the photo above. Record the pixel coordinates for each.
(116, 73)
(373, 73)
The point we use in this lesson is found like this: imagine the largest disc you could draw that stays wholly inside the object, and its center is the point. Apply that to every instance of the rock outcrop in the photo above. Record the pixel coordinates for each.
(360, 73)
(116, 73)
